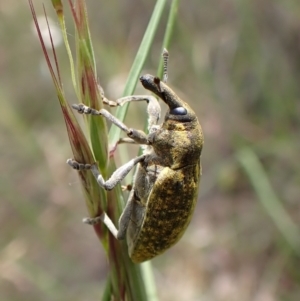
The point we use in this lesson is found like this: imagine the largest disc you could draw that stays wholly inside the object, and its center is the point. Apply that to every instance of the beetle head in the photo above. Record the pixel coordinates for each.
(179, 140)
(178, 109)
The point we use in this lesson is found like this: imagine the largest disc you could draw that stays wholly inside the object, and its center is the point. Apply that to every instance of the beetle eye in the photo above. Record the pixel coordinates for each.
(178, 111)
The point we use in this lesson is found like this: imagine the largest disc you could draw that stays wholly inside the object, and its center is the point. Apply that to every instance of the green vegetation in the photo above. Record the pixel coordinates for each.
(237, 64)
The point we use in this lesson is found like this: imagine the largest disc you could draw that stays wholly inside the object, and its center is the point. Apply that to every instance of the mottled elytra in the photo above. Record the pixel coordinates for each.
(165, 185)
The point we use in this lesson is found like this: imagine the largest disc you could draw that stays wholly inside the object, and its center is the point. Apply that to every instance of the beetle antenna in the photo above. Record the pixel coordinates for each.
(165, 55)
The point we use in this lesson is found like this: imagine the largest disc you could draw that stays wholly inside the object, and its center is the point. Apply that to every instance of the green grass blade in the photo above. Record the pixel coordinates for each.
(57, 5)
(137, 65)
(168, 33)
(268, 198)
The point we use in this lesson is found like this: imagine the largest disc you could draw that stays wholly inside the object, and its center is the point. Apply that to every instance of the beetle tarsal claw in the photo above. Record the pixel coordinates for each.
(92, 220)
(83, 109)
(78, 166)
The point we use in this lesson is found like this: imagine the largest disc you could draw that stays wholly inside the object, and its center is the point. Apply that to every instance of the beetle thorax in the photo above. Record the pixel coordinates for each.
(178, 144)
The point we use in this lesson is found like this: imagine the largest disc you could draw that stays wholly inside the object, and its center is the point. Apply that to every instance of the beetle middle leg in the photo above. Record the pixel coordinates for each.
(115, 178)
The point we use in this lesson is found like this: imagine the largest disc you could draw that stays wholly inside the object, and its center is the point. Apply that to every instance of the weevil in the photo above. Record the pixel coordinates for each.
(165, 185)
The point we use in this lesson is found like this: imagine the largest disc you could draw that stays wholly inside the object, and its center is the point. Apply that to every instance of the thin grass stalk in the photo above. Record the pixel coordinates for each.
(268, 198)
(140, 58)
(58, 6)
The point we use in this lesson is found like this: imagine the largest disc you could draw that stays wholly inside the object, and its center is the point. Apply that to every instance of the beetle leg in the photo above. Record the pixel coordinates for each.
(115, 178)
(102, 218)
(105, 100)
(78, 166)
(126, 140)
(153, 109)
(118, 175)
(113, 147)
(138, 136)
(83, 109)
(123, 220)
(125, 216)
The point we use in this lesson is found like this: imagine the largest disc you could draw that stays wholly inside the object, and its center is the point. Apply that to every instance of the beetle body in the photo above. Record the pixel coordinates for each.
(166, 183)
(165, 186)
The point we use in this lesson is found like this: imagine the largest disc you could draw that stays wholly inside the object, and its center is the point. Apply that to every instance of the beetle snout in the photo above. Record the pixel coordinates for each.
(155, 85)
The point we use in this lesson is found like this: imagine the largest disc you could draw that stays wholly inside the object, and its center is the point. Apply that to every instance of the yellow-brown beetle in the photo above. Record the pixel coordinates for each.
(165, 186)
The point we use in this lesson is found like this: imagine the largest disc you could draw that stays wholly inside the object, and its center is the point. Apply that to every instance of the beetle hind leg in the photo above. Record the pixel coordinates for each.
(123, 220)
(104, 218)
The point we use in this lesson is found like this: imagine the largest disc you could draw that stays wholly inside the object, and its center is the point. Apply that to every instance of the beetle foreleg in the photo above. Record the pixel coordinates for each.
(83, 109)
(138, 136)
(153, 109)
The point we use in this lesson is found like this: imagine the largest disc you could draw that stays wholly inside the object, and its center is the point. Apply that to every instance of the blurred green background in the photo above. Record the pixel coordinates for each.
(237, 62)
